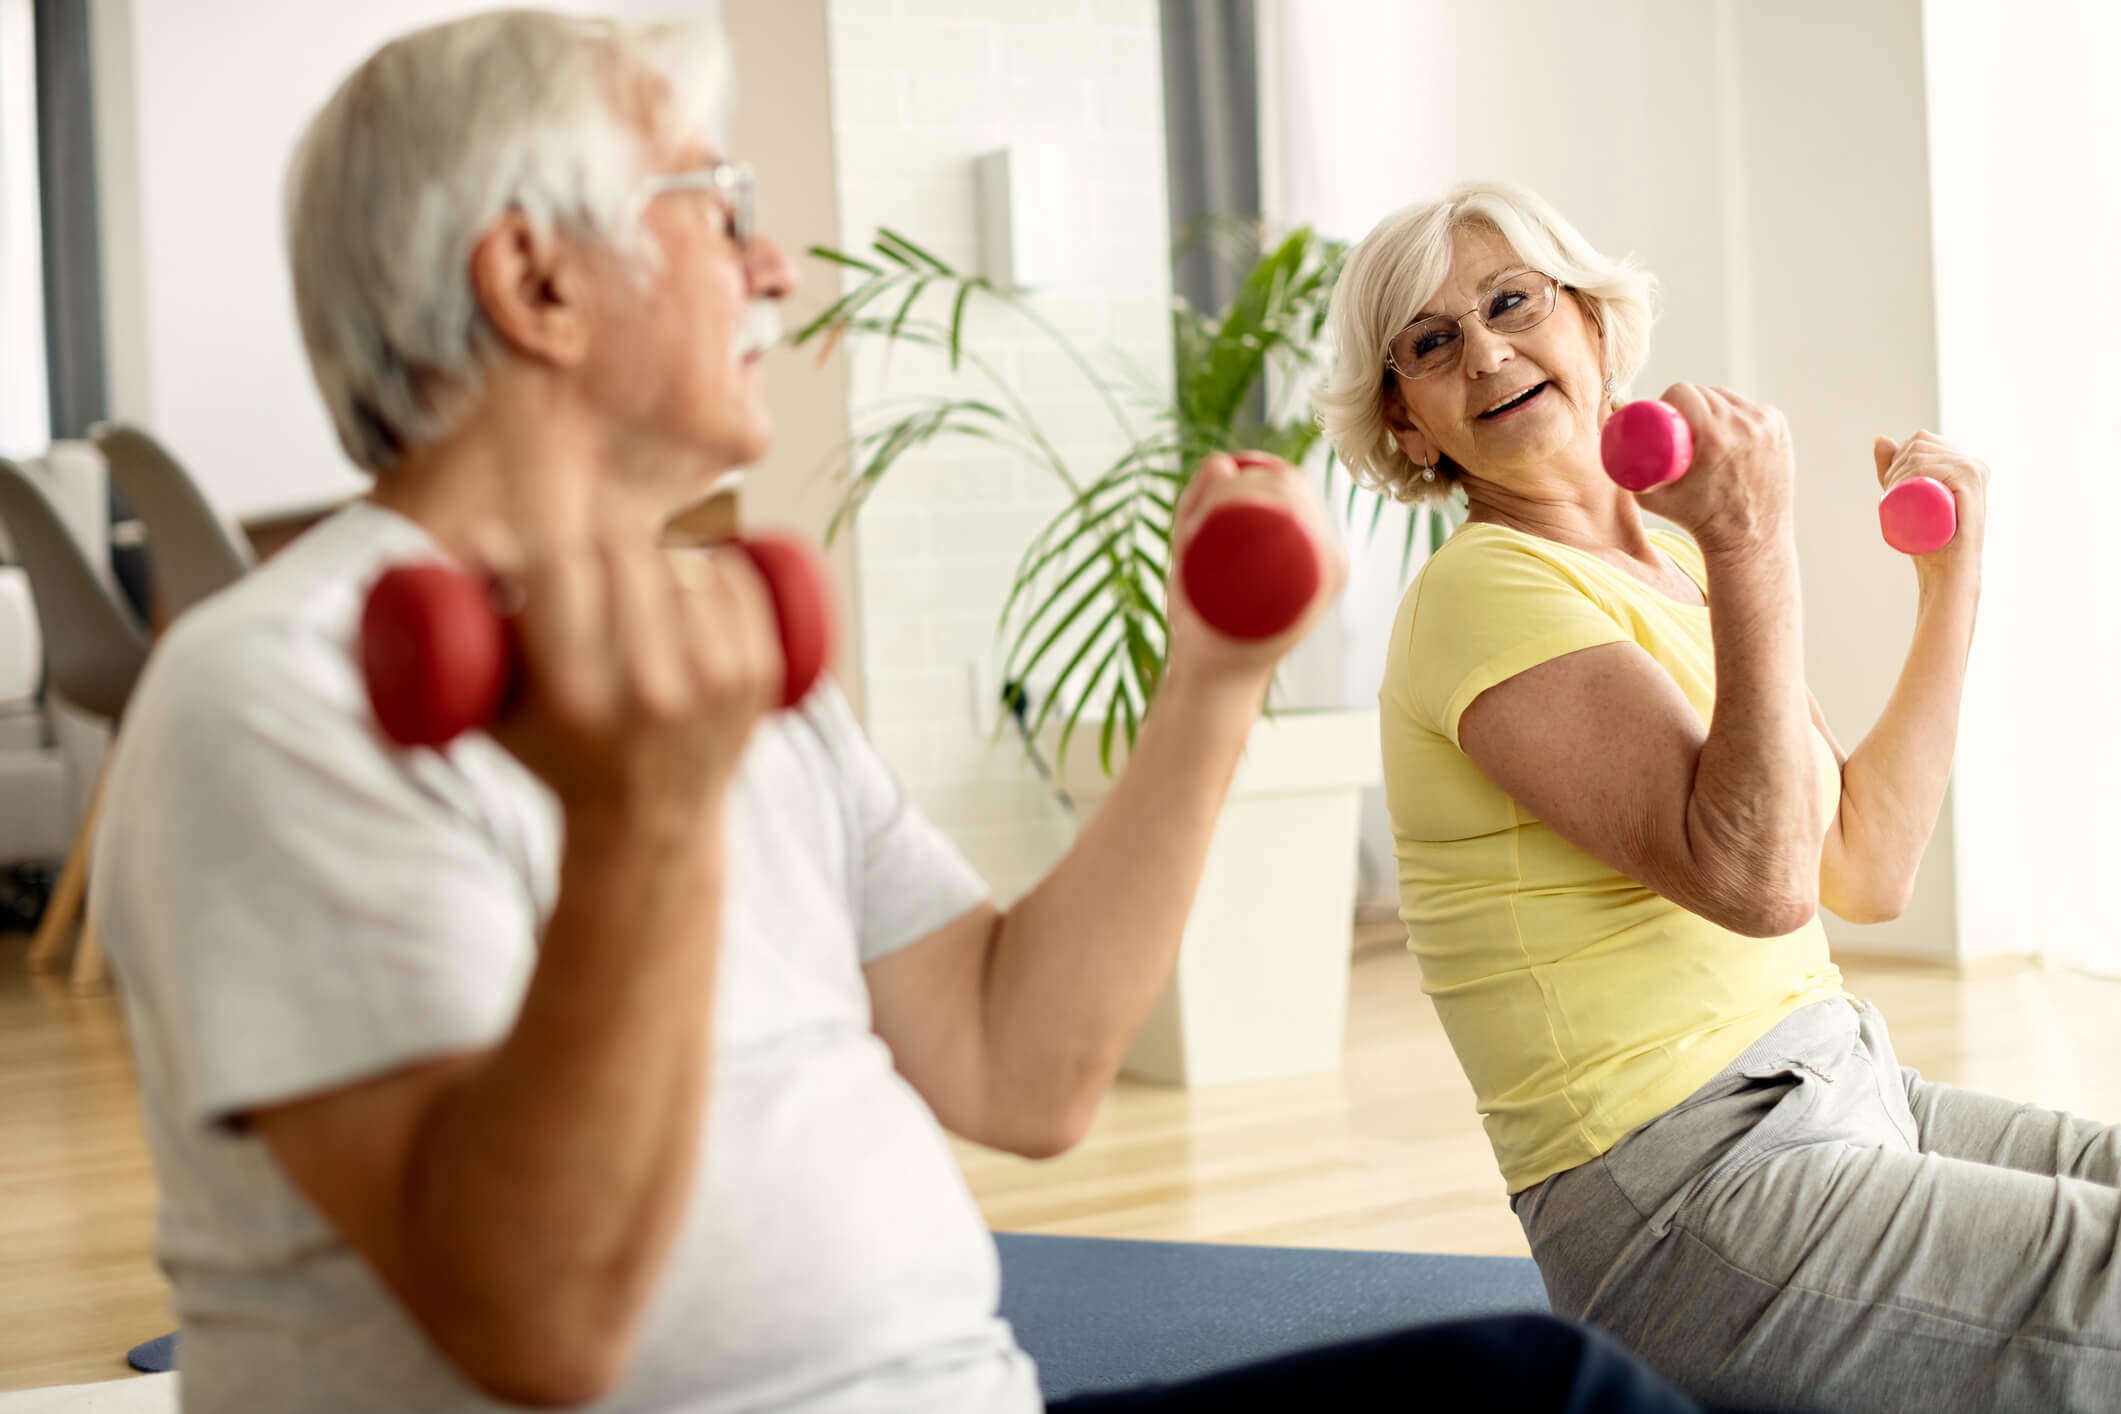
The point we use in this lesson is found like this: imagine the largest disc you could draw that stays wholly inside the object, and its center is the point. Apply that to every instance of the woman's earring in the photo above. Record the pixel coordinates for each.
(1428, 473)
(1609, 394)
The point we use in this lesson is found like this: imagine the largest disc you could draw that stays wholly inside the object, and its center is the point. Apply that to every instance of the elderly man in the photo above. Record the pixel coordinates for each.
(604, 1057)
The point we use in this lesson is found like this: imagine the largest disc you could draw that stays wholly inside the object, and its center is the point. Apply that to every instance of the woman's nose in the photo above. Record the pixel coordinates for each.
(1482, 349)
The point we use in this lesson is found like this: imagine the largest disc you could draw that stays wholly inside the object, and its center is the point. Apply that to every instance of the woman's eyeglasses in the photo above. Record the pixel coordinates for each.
(1512, 305)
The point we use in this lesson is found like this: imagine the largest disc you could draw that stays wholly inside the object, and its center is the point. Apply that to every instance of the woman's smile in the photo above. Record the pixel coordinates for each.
(1510, 405)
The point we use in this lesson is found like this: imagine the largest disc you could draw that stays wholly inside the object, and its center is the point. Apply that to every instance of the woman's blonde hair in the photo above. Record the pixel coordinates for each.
(1399, 267)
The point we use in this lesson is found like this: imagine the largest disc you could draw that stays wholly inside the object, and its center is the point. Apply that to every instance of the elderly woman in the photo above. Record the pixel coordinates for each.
(1617, 811)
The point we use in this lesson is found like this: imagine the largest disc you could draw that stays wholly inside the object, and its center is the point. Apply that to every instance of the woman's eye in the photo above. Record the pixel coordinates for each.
(1426, 344)
(1505, 301)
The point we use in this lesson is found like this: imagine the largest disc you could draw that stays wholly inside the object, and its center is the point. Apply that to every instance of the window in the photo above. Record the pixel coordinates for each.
(25, 410)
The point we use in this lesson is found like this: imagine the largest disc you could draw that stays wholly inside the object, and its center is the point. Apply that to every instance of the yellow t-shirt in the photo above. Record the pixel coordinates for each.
(1581, 1004)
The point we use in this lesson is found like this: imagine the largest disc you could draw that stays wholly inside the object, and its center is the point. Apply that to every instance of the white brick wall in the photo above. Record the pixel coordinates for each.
(920, 88)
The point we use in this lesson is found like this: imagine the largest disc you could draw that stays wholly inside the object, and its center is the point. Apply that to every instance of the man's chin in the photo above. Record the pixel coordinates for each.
(751, 448)
(721, 444)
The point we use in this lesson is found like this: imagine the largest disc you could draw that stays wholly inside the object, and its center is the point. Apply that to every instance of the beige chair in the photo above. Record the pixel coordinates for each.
(94, 651)
(194, 551)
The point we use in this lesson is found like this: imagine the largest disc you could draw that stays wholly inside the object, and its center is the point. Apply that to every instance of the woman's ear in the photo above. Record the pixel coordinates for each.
(1411, 439)
(1605, 351)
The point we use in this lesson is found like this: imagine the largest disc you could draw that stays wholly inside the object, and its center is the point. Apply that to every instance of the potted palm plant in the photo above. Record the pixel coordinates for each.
(1261, 982)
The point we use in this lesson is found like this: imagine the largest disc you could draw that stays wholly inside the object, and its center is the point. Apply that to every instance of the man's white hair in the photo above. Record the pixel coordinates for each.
(424, 146)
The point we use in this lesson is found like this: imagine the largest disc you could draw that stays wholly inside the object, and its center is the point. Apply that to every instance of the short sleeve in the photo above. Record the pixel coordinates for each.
(1685, 553)
(908, 878)
(1487, 610)
(298, 904)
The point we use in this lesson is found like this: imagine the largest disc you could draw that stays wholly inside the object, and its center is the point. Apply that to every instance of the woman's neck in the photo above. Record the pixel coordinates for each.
(1586, 511)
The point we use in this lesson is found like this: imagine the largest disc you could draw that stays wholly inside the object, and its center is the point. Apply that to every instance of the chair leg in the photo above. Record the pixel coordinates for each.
(90, 973)
(64, 908)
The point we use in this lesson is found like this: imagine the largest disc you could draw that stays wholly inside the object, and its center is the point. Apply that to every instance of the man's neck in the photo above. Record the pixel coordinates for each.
(528, 465)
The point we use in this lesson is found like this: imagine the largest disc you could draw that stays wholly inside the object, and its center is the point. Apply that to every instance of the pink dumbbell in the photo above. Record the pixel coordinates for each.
(1648, 443)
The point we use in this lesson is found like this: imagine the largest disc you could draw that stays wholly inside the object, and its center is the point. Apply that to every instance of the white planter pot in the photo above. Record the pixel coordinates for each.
(1261, 986)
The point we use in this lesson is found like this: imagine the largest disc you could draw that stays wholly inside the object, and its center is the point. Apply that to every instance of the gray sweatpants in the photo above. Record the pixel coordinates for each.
(1818, 1227)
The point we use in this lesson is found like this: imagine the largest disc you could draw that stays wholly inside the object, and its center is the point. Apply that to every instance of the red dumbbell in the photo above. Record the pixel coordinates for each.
(1648, 443)
(1251, 568)
(439, 659)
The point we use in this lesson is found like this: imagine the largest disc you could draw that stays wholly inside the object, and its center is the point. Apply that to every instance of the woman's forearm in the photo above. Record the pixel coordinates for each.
(1894, 781)
(1756, 813)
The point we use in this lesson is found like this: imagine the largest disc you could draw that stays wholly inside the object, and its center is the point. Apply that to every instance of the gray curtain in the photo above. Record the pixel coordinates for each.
(1211, 133)
(73, 251)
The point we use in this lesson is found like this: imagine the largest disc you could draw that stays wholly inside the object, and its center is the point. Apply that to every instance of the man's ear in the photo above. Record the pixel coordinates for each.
(533, 290)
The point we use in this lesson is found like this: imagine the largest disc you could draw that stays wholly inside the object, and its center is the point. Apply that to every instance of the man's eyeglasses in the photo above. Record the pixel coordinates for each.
(731, 181)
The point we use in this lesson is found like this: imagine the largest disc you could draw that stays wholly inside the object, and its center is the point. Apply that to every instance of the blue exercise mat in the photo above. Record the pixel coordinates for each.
(1105, 1313)
(152, 1357)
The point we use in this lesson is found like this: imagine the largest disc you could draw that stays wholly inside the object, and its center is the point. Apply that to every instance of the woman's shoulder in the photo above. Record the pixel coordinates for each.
(1488, 581)
(1490, 603)
(1481, 557)
(1476, 544)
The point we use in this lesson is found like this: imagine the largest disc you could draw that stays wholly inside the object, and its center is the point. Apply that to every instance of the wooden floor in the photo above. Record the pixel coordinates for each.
(1385, 1154)
(77, 1284)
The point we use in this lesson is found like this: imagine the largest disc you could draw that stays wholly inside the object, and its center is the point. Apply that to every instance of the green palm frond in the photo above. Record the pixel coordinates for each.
(1084, 615)
(1089, 590)
(1221, 360)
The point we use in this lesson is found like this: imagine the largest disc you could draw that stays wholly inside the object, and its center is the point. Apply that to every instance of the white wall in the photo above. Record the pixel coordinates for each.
(920, 87)
(1610, 111)
(25, 421)
(219, 90)
(2026, 202)
(1370, 105)
(200, 319)
(1837, 241)
(204, 346)
(1772, 164)
(781, 124)
(1766, 162)
(1878, 215)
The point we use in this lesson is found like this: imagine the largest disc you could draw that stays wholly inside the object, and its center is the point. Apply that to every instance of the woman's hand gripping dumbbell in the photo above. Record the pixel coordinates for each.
(1647, 444)
(441, 658)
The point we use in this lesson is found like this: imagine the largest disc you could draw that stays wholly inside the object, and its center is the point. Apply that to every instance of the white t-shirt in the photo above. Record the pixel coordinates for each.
(291, 904)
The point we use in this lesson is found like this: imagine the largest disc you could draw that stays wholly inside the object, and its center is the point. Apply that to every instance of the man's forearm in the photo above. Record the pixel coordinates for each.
(1079, 960)
(1893, 784)
(545, 1188)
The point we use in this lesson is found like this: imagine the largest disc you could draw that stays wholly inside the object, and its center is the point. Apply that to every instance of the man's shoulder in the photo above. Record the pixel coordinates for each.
(263, 635)
(280, 640)
(253, 709)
